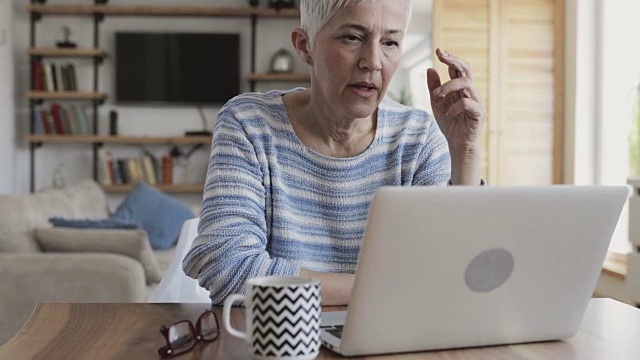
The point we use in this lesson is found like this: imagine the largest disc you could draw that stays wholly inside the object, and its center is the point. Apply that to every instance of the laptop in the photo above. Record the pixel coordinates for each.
(454, 267)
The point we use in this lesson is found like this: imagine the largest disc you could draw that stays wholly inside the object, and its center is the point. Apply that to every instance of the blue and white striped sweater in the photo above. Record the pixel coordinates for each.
(273, 206)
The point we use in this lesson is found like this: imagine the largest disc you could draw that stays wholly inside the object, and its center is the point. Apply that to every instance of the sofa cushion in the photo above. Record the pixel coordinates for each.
(21, 242)
(23, 213)
(159, 214)
(131, 243)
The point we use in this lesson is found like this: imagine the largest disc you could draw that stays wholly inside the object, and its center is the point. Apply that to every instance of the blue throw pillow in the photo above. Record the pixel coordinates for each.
(159, 214)
(94, 224)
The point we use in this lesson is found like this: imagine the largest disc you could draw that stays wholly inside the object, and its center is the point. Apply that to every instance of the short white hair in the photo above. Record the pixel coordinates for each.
(314, 14)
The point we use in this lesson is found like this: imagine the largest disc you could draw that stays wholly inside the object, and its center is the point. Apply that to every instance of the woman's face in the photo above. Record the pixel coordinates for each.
(355, 55)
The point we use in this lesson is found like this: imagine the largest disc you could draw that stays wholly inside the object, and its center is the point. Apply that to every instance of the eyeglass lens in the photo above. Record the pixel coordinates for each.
(181, 337)
(208, 326)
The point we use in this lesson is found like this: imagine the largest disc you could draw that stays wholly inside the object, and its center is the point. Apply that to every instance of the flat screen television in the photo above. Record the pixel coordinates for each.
(178, 68)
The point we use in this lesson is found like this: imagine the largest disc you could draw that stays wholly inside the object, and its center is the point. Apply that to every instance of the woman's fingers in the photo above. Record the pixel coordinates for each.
(463, 85)
(433, 82)
(457, 67)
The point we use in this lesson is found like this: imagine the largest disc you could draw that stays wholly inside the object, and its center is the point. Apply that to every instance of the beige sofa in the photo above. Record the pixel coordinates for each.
(40, 264)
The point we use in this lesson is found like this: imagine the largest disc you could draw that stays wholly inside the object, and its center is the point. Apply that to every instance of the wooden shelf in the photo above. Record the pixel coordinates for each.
(92, 139)
(58, 52)
(169, 188)
(284, 13)
(150, 10)
(65, 95)
(284, 77)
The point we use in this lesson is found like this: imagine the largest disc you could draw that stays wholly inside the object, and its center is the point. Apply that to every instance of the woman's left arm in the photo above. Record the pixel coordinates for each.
(460, 114)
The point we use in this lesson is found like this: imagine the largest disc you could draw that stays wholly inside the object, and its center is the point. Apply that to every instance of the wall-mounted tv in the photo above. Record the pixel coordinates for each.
(178, 68)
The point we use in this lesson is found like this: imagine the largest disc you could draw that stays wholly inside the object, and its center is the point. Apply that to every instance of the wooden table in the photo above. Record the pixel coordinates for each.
(610, 330)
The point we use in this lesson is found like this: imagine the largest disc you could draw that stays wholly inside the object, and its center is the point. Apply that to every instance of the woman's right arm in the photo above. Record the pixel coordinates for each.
(336, 288)
(232, 243)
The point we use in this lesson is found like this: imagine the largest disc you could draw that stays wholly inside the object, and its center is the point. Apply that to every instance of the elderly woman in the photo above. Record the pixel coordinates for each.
(292, 173)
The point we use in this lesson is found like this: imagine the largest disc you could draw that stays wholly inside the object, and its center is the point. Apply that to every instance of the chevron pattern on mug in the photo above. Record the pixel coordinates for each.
(285, 320)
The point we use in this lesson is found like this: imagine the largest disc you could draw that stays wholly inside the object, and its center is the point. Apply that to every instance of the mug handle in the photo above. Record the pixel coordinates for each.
(226, 315)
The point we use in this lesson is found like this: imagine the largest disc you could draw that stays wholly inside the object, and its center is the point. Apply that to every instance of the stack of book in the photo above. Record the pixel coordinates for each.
(54, 76)
(121, 171)
(61, 120)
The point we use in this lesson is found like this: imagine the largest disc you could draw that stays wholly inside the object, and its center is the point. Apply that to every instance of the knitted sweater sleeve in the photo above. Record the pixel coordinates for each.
(232, 242)
(433, 164)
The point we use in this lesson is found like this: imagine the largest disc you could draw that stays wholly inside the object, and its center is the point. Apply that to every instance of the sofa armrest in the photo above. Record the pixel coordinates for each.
(131, 243)
(28, 279)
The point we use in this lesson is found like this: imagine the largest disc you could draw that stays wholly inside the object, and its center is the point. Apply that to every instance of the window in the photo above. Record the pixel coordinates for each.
(409, 85)
(616, 135)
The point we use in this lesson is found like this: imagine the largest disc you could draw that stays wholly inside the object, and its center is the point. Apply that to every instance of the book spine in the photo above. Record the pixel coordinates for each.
(64, 77)
(54, 76)
(52, 123)
(148, 169)
(124, 173)
(37, 75)
(37, 123)
(57, 119)
(71, 114)
(73, 77)
(167, 169)
(87, 120)
(49, 76)
(117, 172)
(66, 124)
(132, 165)
(155, 166)
(44, 117)
(111, 167)
(103, 168)
(81, 117)
(59, 77)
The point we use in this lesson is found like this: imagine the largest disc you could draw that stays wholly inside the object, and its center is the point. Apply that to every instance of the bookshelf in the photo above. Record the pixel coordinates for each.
(98, 12)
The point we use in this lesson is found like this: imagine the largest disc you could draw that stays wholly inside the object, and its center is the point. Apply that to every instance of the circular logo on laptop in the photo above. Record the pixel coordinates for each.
(489, 270)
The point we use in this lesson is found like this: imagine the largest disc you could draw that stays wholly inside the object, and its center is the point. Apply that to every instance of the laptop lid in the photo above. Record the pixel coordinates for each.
(471, 266)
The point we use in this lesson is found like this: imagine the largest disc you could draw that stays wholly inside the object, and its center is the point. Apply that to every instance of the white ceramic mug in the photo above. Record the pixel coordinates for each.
(283, 317)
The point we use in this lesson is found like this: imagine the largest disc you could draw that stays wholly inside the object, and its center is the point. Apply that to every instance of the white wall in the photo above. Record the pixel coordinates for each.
(6, 99)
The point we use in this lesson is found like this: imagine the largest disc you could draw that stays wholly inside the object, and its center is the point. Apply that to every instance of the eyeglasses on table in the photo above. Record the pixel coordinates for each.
(182, 336)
